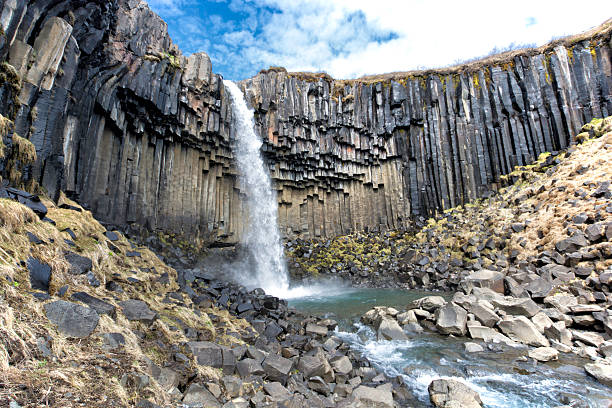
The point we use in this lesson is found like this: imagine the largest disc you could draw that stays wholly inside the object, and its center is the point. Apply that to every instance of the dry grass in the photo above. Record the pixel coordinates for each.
(82, 372)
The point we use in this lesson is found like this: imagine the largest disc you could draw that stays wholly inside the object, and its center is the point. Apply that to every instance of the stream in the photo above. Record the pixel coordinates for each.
(502, 377)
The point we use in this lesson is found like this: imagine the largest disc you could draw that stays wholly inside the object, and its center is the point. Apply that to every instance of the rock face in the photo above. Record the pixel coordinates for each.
(142, 135)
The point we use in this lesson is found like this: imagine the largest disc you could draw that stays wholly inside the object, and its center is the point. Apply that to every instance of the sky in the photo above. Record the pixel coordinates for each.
(351, 38)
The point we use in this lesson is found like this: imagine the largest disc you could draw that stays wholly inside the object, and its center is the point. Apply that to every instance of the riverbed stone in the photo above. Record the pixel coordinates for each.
(484, 313)
(389, 329)
(379, 397)
(521, 329)
(590, 338)
(451, 319)
(447, 393)
(516, 306)
(428, 303)
(473, 347)
(601, 370)
(544, 354)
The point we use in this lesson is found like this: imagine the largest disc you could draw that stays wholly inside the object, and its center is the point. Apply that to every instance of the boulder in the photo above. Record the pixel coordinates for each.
(446, 393)
(473, 347)
(485, 278)
(451, 319)
(558, 332)
(137, 310)
(542, 322)
(489, 335)
(429, 303)
(521, 329)
(379, 397)
(40, 274)
(561, 301)
(601, 370)
(516, 306)
(249, 367)
(373, 316)
(342, 365)
(484, 313)
(389, 329)
(572, 244)
(277, 391)
(277, 368)
(544, 354)
(198, 396)
(79, 265)
(407, 318)
(206, 353)
(589, 338)
(72, 319)
(316, 330)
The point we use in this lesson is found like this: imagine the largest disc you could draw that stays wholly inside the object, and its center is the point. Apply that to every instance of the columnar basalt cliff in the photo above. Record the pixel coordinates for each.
(132, 129)
(371, 152)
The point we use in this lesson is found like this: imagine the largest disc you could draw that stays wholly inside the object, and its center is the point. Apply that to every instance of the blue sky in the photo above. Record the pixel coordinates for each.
(351, 38)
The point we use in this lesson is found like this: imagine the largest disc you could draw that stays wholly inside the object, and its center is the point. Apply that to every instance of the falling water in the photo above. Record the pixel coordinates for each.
(262, 238)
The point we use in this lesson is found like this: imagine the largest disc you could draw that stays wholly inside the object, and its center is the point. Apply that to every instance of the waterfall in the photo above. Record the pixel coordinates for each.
(262, 238)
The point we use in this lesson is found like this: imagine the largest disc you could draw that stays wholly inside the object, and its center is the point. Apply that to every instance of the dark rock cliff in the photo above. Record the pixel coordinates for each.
(126, 124)
(372, 152)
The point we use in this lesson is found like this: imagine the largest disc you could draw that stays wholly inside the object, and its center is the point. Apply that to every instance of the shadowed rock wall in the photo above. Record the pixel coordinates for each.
(142, 135)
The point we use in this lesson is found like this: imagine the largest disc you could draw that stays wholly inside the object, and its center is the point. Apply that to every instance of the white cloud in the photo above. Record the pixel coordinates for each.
(350, 38)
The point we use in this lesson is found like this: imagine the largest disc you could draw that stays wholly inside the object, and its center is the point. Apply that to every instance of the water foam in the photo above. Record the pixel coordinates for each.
(262, 237)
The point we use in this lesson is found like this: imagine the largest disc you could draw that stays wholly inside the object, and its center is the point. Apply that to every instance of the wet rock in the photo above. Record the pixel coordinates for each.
(489, 335)
(453, 394)
(78, 264)
(137, 310)
(521, 329)
(72, 319)
(472, 347)
(40, 274)
(451, 319)
(389, 329)
(544, 354)
(601, 371)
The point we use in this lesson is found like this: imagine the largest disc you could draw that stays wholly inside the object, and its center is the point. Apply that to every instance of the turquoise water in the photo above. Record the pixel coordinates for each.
(502, 378)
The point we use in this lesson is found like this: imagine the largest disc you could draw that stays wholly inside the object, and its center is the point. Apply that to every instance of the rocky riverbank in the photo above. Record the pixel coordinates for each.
(89, 318)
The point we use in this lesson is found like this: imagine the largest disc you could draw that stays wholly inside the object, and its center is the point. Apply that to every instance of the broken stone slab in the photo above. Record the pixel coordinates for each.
(447, 393)
(484, 313)
(561, 301)
(572, 244)
(206, 353)
(521, 329)
(590, 338)
(516, 306)
(72, 319)
(558, 332)
(451, 319)
(249, 367)
(315, 329)
(490, 335)
(198, 396)
(277, 368)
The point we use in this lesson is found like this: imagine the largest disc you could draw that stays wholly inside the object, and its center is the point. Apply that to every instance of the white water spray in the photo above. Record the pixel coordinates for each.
(262, 238)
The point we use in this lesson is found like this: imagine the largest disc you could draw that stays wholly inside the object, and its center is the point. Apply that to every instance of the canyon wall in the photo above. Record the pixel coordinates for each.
(142, 135)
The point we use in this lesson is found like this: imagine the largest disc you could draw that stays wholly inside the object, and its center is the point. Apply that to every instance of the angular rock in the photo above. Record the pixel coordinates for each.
(453, 394)
(207, 353)
(40, 274)
(198, 396)
(137, 310)
(429, 303)
(520, 329)
(100, 306)
(389, 329)
(516, 306)
(277, 368)
(601, 371)
(379, 397)
(72, 319)
(451, 319)
(249, 367)
(79, 265)
(485, 278)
